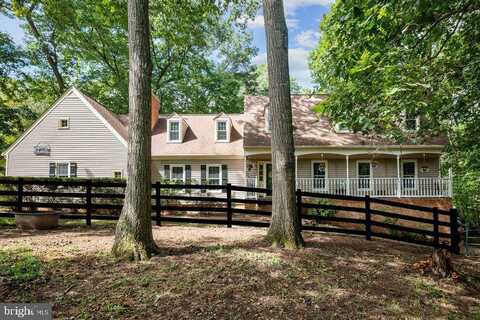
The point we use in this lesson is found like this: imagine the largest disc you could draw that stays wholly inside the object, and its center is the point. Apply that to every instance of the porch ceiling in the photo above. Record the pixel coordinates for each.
(366, 156)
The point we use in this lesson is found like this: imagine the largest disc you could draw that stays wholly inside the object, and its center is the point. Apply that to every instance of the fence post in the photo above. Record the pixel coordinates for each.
(368, 218)
(299, 206)
(229, 205)
(454, 235)
(157, 203)
(88, 204)
(436, 238)
(20, 195)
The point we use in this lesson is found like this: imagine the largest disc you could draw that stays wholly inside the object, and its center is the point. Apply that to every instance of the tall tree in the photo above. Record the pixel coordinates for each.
(14, 113)
(285, 226)
(260, 86)
(378, 60)
(200, 51)
(133, 236)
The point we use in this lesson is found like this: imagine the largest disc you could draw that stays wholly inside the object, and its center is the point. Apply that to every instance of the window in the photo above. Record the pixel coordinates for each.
(117, 174)
(260, 173)
(319, 172)
(63, 123)
(62, 169)
(214, 175)
(364, 174)
(174, 131)
(409, 173)
(412, 121)
(177, 173)
(221, 130)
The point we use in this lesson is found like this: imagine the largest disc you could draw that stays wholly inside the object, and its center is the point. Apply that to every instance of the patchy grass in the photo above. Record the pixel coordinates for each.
(219, 273)
(19, 265)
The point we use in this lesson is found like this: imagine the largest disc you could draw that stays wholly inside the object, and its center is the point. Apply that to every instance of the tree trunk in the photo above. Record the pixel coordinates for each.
(284, 229)
(133, 236)
(52, 57)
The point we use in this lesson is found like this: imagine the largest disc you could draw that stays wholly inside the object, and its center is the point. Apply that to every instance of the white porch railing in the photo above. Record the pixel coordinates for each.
(375, 187)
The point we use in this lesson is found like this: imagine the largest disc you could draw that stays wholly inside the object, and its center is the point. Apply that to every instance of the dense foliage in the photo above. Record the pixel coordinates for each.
(13, 111)
(201, 52)
(380, 59)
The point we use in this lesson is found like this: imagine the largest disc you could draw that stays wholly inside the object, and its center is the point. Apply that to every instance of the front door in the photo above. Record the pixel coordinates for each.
(265, 175)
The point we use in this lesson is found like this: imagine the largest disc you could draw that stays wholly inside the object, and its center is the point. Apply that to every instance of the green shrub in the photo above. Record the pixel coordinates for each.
(322, 212)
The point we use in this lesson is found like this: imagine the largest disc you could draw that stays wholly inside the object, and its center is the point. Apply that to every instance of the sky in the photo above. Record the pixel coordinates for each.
(303, 19)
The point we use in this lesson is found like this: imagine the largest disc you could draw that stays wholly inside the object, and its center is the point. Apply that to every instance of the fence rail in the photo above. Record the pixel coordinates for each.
(17, 197)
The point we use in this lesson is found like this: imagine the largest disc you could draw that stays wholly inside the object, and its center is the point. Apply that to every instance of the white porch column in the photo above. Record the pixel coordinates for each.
(296, 172)
(450, 182)
(245, 171)
(399, 184)
(347, 158)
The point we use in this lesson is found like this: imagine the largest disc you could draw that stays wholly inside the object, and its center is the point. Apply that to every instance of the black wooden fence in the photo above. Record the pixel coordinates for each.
(472, 239)
(226, 205)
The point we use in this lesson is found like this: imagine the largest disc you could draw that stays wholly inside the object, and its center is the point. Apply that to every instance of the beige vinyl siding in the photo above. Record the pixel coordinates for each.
(88, 142)
(235, 168)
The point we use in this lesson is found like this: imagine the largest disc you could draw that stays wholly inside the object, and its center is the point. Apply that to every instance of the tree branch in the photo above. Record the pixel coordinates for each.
(52, 57)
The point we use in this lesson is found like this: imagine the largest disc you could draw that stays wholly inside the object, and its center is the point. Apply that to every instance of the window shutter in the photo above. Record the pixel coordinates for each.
(73, 170)
(166, 172)
(203, 176)
(53, 169)
(188, 174)
(224, 175)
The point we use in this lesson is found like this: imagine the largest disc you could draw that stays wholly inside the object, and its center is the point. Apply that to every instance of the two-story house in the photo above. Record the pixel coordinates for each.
(78, 137)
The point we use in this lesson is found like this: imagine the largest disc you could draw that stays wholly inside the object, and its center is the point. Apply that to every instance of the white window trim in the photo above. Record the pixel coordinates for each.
(326, 174)
(169, 121)
(177, 166)
(417, 123)
(220, 172)
(227, 128)
(338, 129)
(371, 175)
(263, 164)
(62, 162)
(60, 123)
(415, 184)
(117, 170)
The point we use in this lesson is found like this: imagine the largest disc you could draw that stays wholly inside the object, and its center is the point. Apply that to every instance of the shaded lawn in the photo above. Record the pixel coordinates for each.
(219, 273)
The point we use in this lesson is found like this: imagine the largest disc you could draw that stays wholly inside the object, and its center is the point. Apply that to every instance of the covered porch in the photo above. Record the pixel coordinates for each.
(359, 173)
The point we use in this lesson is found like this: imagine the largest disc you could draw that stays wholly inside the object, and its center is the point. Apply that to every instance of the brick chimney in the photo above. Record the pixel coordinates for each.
(155, 109)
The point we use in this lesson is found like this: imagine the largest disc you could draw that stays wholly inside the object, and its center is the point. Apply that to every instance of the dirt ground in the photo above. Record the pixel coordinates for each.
(219, 273)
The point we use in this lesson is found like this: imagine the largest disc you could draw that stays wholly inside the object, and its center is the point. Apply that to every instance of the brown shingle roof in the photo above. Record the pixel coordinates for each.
(310, 129)
(199, 138)
(109, 116)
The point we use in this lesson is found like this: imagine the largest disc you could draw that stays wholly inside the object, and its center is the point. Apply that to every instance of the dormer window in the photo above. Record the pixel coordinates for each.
(221, 130)
(412, 121)
(173, 130)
